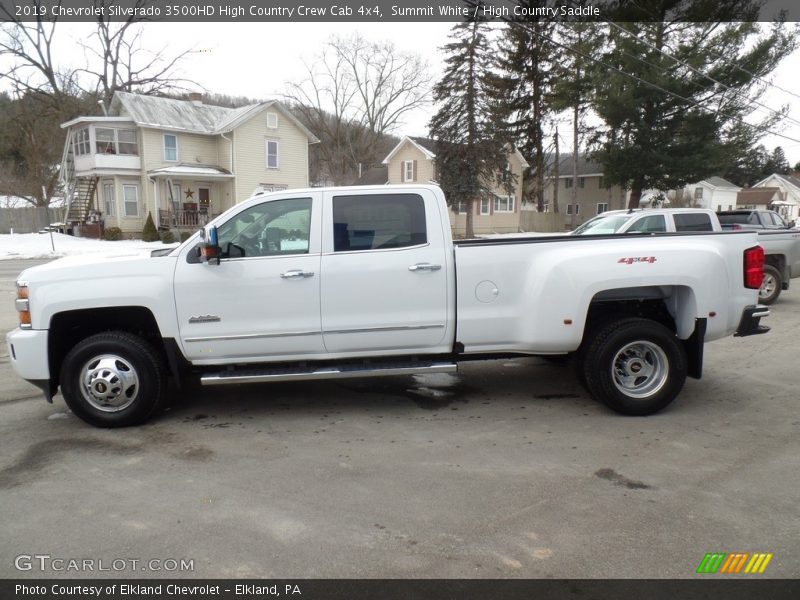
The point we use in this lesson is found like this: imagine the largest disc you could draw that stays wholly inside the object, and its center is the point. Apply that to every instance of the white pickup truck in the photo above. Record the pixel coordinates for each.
(366, 281)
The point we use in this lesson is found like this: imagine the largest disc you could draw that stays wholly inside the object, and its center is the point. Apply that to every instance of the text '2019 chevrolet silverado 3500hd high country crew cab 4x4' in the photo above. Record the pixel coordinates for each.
(366, 281)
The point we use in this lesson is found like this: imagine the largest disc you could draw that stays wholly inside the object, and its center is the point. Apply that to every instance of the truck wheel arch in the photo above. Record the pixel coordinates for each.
(68, 328)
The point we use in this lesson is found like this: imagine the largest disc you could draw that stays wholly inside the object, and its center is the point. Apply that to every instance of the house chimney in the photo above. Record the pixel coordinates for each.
(196, 98)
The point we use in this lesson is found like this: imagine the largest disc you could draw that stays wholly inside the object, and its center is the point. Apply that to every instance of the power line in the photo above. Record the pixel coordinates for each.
(655, 86)
(695, 70)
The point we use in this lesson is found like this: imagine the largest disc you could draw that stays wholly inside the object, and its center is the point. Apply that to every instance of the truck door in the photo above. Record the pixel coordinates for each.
(384, 273)
(262, 301)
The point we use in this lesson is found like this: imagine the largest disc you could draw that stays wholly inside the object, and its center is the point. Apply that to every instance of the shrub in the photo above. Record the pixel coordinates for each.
(150, 233)
(185, 235)
(167, 237)
(112, 234)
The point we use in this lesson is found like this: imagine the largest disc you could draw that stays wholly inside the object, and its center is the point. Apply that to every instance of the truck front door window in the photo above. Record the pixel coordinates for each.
(279, 227)
(649, 224)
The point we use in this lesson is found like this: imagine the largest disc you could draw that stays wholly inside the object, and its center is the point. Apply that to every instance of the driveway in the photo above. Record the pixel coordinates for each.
(507, 470)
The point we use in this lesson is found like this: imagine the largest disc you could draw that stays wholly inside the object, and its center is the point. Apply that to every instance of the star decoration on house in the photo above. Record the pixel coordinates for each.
(189, 194)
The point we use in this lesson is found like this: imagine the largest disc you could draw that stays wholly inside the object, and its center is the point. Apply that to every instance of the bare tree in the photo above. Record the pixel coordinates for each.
(354, 93)
(117, 60)
(47, 92)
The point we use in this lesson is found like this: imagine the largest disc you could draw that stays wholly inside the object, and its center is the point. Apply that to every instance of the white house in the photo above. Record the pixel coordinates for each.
(714, 193)
(183, 161)
(789, 185)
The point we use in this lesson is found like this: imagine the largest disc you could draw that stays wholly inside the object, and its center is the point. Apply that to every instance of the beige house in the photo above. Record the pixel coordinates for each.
(413, 160)
(180, 160)
(593, 195)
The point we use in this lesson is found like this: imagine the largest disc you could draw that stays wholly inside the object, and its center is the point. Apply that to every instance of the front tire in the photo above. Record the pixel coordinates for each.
(634, 366)
(771, 285)
(113, 379)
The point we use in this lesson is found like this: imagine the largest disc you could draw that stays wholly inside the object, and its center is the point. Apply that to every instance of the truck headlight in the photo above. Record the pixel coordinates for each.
(23, 305)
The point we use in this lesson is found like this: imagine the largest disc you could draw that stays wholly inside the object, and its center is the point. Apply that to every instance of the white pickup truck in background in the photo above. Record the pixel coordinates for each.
(781, 243)
(366, 281)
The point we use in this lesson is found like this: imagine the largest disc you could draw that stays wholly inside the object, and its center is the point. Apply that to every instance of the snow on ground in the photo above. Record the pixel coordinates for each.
(37, 245)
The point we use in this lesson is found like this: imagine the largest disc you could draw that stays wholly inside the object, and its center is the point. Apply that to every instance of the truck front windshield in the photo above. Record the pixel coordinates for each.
(602, 225)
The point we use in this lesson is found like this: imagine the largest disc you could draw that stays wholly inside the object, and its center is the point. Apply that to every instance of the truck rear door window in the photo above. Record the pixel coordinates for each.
(378, 221)
(693, 222)
(649, 224)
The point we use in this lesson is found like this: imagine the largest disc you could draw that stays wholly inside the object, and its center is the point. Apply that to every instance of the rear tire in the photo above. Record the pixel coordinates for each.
(634, 366)
(113, 379)
(771, 285)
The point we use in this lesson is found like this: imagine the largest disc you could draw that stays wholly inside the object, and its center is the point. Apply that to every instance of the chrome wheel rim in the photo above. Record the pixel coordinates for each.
(768, 285)
(640, 369)
(109, 383)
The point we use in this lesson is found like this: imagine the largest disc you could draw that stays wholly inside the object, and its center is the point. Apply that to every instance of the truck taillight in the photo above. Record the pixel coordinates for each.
(22, 304)
(753, 267)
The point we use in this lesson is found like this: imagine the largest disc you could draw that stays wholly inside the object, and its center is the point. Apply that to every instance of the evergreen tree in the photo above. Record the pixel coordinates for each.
(150, 233)
(682, 120)
(521, 88)
(470, 153)
(778, 163)
(573, 84)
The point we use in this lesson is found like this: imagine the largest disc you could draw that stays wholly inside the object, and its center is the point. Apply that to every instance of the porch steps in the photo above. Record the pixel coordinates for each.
(313, 372)
(81, 200)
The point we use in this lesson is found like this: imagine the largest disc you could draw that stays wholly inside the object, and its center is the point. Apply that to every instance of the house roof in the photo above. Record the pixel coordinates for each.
(586, 166)
(192, 116)
(720, 182)
(207, 171)
(757, 196)
(374, 176)
(790, 179)
(429, 148)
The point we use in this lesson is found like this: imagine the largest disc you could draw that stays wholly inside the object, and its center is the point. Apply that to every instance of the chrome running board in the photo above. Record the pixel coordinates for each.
(263, 374)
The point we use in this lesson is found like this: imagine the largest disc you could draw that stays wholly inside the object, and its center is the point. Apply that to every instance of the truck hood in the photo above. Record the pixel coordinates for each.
(85, 266)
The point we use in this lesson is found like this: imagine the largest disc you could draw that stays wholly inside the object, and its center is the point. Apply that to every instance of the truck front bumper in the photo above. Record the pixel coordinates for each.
(750, 322)
(27, 349)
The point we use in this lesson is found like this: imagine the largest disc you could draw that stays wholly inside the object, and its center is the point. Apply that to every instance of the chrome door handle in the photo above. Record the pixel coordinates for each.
(424, 267)
(297, 274)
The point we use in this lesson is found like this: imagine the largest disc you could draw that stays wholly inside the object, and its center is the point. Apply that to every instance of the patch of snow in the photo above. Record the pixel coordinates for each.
(37, 245)
(58, 416)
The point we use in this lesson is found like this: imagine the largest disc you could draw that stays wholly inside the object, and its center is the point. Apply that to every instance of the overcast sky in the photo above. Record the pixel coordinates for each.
(256, 59)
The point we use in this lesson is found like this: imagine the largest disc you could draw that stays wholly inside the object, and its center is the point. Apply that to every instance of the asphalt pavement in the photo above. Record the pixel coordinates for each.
(507, 470)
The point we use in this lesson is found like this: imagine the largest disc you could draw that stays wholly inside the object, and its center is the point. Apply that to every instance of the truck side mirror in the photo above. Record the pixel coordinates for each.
(209, 250)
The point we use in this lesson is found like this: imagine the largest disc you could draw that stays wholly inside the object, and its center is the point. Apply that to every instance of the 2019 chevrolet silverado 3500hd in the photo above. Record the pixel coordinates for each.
(367, 281)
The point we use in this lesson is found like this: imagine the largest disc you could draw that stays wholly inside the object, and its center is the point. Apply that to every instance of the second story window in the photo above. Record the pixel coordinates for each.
(82, 144)
(408, 170)
(115, 141)
(698, 193)
(272, 147)
(170, 147)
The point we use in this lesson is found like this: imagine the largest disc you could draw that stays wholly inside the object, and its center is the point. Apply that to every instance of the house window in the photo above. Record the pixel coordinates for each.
(126, 142)
(568, 182)
(698, 193)
(581, 182)
(272, 120)
(462, 207)
(272, 154)
(576, 208)
(486, 206)
(602, 207)
(108, 198)
(82, 144)
(130, 197)
(506, 175)
(408, 170)
(504, 204)
(170, 147)
(546, 207)
(601, 182)
(115, 141)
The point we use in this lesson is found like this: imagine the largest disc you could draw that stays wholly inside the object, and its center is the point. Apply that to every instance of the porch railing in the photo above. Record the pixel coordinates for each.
(183, 219)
